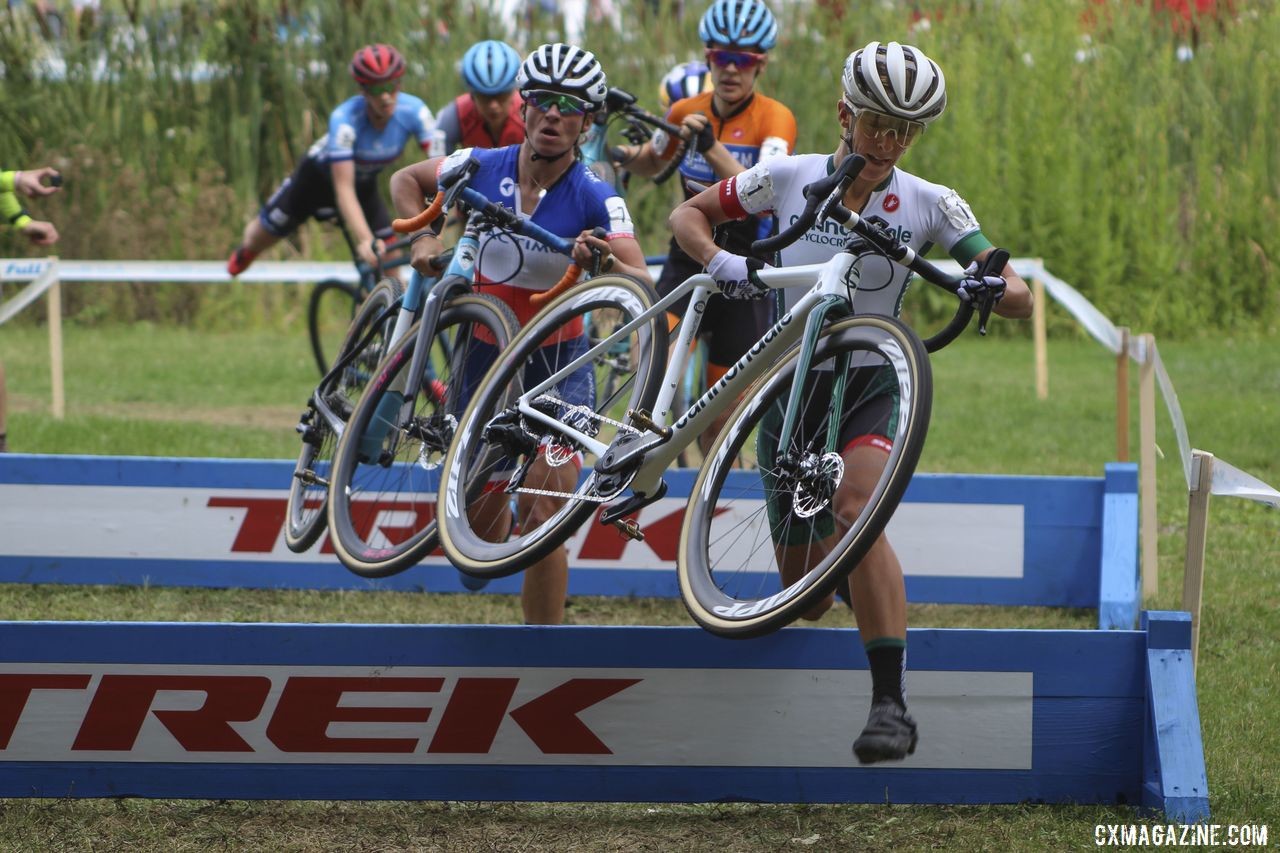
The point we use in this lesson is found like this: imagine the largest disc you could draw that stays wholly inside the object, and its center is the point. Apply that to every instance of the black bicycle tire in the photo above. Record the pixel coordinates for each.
(301, 530)
(323, 360)
(352, 552)
(465, 549)
(705, 603)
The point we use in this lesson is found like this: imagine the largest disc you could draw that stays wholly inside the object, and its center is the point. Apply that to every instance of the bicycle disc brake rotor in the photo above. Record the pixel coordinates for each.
(817, 481)
(433, 435)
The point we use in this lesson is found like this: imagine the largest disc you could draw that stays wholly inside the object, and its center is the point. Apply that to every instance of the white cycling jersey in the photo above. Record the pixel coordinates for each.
(918, 213)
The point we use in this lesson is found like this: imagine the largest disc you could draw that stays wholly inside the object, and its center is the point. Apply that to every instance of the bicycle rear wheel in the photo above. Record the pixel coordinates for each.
(309, 488)
(507, 455)
(789, 508)
(386, 472)
(330, 311)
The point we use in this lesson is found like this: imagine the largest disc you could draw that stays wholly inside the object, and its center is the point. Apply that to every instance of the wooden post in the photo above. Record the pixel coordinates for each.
(1122, 398)
(1147, 468)
(1197, 533)
(1041, 342)
(59, 401)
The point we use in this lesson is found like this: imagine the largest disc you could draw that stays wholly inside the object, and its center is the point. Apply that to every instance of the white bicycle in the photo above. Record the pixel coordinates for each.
(792, 394)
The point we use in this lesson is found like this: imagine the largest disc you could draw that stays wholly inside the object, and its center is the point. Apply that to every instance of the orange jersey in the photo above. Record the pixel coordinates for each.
(764, 128)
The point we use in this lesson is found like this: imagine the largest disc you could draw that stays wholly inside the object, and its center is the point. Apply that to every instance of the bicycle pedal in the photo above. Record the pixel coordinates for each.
(311, 478)
(642, 419)
(629, 528)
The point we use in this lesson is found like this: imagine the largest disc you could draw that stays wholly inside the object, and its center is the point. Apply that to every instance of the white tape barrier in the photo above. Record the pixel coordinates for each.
(44, 271)
(1175, 412)
(1227, 479)
(1231, 481)
(30, 293)
(181, 272)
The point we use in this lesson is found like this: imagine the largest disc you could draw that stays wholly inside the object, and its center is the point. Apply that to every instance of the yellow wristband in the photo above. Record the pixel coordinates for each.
(7, 181)
(22, 221)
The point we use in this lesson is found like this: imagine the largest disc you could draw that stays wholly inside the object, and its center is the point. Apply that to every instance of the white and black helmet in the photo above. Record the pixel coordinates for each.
(896, 79)
(564, 68)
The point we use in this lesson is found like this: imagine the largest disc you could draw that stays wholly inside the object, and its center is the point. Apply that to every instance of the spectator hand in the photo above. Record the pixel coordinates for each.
(41, 233)
(30, 182)
(974, 288)
(735, 276)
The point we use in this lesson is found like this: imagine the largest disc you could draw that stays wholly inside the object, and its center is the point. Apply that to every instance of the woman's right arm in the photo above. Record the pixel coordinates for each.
(411, 187)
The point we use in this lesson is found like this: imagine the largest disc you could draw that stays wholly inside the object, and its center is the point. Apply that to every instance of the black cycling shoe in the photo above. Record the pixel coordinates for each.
(890, 734)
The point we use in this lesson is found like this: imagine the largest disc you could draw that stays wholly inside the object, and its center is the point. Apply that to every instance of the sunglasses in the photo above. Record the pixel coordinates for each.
(877, 126)
(543, 100)
(381, 88)
(743, 59)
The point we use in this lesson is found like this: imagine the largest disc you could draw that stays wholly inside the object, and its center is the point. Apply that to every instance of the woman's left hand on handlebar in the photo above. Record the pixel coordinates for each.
(582, 247)
(424, 250)
(975, 288)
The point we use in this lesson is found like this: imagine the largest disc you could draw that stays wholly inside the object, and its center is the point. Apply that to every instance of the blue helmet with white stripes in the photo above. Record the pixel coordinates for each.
(490, 67)
(742, 23)
(684, 81)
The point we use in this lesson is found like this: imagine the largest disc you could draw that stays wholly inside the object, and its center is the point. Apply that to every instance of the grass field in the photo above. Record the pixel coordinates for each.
(159, 391)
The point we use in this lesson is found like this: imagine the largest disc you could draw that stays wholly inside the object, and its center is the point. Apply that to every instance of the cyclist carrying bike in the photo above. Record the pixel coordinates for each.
(540, 178)
(891, 93)
(366, 132)
(490, 114)
(731, 128)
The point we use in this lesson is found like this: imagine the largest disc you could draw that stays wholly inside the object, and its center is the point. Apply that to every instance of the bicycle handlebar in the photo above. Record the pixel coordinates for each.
(621, 102)
(457, 190)
(824, 199)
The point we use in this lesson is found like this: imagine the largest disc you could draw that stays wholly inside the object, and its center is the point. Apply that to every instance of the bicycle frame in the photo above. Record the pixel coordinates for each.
(829, 284)
(423, 299)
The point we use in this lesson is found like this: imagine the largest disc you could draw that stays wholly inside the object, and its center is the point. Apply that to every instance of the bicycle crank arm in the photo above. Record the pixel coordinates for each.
(626, 526)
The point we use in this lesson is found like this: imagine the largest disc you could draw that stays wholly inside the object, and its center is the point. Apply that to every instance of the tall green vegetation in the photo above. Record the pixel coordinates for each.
(1074, 130)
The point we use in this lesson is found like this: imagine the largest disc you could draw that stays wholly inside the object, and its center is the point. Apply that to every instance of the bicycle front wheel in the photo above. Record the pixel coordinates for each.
(387, 469)
(309, 488)
(329, 314)
(793, 511)
(518, 463)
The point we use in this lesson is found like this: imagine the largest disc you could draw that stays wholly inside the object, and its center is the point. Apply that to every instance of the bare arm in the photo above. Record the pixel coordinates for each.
(692, 222)
(620, 255)
(647, 162)
(414, 185)
(1017, 301)
(411, 187)
(344, 191)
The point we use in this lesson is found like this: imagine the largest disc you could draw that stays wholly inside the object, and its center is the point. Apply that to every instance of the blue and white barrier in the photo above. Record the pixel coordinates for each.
(592, 714)
(963, 539)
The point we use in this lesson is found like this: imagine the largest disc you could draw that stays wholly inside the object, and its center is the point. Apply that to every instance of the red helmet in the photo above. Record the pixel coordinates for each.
(377, 63)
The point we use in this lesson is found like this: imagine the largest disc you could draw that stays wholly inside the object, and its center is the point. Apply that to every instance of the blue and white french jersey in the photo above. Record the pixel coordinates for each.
(351, 136)
(577, 202)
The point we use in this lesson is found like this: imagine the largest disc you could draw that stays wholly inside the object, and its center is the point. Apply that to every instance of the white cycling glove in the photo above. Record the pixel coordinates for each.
(974, 287)
(733, 275)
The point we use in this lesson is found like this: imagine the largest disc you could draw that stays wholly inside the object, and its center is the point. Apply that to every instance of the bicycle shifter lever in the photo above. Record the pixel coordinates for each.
(600, 234)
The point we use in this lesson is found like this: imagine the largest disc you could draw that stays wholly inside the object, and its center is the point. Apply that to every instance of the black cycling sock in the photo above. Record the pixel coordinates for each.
(887, 656)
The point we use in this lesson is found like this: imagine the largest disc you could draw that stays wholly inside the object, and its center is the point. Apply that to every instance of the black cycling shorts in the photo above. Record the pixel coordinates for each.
(308, 192)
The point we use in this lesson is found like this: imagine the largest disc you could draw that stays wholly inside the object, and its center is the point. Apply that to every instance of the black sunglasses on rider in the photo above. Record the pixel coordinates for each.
(544, 99)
